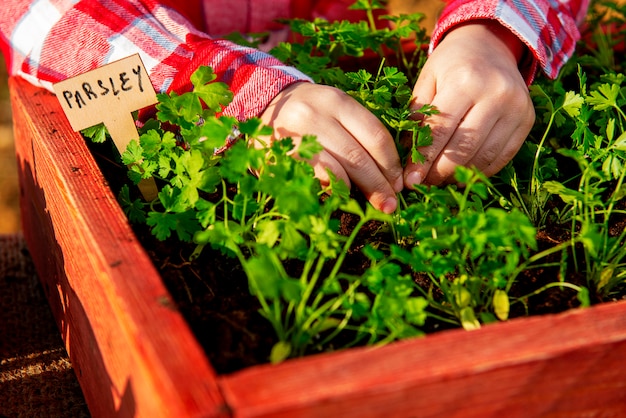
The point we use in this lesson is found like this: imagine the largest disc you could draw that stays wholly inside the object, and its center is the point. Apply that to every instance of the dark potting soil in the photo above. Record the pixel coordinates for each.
(212, 291)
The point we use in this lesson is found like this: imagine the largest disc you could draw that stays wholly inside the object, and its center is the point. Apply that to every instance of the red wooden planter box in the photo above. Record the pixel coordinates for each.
(134, 355)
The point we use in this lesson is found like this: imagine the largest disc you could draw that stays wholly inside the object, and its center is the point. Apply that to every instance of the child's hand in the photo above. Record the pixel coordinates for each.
(486, 113)
(357, 147)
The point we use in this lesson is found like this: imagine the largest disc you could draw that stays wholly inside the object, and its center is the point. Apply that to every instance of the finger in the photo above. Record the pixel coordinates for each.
(424, 90)
(423, 93)
(503, 142)
(361, 168)
(466, 144)
(376, 140)
(324, 162)
(443, 125)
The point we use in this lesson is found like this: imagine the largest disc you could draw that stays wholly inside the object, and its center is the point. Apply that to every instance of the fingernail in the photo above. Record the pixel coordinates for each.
(398, 185)
(413, 178)
(389, 205)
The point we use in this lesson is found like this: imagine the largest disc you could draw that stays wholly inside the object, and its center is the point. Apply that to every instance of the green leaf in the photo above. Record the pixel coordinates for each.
(361, 306)
(605, 277)
(366, 5)
(133, 153)
(568, 195)
(416, 310)
(202, 75)
(183, 110)
(238, 160)
(135, 174)
(388, 307)
(572, 103)
(264, 275)
(352, 206)
(162, 224)
(591, 238)
(97, 134)
(151, 143)
(462, 296)
(620, 142)
(254, 128)
(373, 254)
(170, 199)
(610, 129)
(213, 133)
(394, 77)
(501, 304)
(325, 324)
(583, 297)
(291, 290)
(214, 95)
(468, 319)
(309, 147)
(604, 97)
(292, 243)
(134, 209)
(243, 207)
(222, 237)
(280, 352)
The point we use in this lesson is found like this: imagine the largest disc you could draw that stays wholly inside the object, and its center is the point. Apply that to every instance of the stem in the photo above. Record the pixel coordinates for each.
(310, 287)
(546, 287)
(300, 315)
(346, 248)
(370, 18)
(272, 315)
(225, 202)
(443, 319)
(534, 187)
(344, 322)
(526, 265)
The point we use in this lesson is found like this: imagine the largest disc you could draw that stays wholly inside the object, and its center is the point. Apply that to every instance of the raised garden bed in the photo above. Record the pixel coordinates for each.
(134, 355)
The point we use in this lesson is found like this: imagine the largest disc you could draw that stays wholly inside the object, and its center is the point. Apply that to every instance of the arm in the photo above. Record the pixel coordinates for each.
(483, 56)
(46, 43)
(549, 28)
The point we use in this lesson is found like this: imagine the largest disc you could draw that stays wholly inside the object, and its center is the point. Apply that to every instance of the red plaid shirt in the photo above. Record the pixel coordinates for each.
(548, 27)
(46, 41)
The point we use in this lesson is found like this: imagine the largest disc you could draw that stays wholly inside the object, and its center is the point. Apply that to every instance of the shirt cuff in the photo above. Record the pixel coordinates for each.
(254, 77)
(538, 54)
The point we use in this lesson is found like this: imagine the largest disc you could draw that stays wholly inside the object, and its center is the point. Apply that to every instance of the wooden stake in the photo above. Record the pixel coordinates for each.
(108, 95)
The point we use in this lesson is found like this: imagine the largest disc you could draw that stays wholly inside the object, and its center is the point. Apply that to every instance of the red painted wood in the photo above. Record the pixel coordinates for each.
(136, 357)
(568, 365)
(133, 353)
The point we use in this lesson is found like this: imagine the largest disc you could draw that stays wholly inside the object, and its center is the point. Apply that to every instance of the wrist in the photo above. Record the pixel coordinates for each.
(513, 43)
(511, 40)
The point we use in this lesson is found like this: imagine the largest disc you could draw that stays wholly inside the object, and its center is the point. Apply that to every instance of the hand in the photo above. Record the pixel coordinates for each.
(486, 113)
(357, 147)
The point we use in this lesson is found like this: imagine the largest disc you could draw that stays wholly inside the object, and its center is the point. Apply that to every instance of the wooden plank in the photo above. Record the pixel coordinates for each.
(135, 356)
(133, 353)
(567, 365)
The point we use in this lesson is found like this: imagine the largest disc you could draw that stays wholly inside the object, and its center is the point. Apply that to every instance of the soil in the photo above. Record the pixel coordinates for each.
(212, 291)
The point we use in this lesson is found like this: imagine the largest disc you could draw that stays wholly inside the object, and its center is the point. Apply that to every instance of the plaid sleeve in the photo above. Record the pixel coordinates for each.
(46, 41)
(548, 27)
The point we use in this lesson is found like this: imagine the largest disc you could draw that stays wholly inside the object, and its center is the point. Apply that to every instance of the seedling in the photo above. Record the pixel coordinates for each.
(449, 255)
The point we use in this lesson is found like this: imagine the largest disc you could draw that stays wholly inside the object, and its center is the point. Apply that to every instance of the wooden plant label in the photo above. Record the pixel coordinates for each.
(108, 95)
